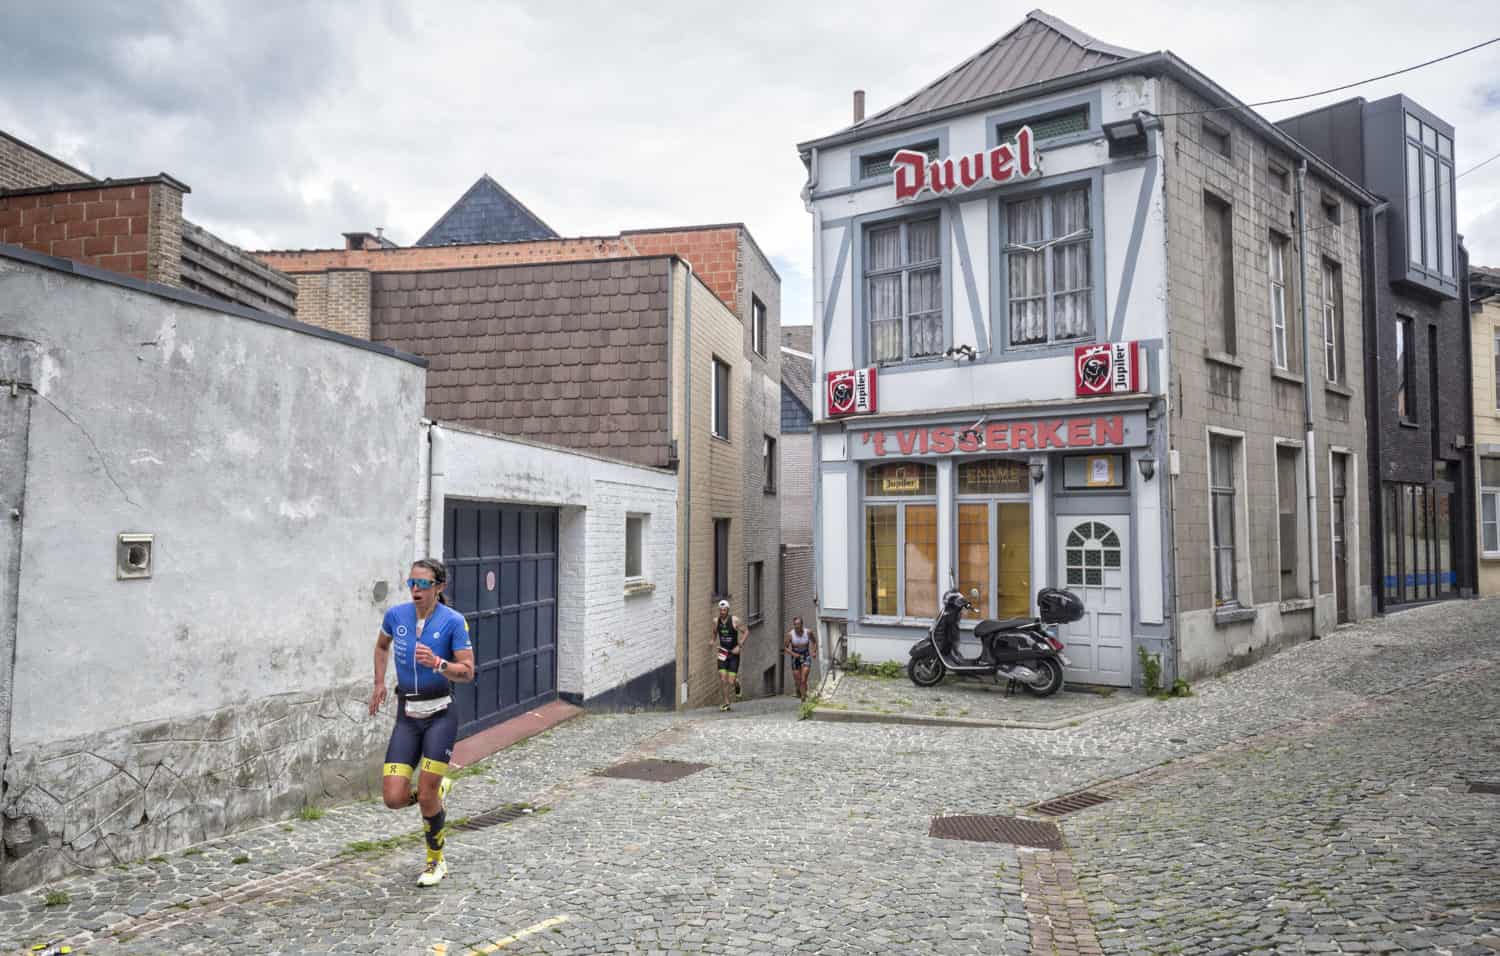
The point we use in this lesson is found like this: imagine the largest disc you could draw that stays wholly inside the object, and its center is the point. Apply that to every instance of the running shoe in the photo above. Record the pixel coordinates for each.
(434, 873)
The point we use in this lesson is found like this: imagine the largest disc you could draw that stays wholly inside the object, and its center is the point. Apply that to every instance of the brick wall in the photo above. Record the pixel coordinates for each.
(132, 227)
(711, 482)
(714, 252)
(796, 490)
(1240, 392)
(570, 353)
(23, 166)
(337, 300)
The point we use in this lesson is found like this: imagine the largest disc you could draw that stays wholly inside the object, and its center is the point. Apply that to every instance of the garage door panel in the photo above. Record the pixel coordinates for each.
(512, 621)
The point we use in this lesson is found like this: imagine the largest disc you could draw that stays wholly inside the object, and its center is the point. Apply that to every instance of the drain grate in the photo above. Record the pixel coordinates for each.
(993, 829)
(496, 816)
(654, 771)
(1484, 786)
(1070, 803)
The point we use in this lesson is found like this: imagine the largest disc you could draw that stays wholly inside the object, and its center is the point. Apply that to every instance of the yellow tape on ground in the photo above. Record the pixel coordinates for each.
(515, 937)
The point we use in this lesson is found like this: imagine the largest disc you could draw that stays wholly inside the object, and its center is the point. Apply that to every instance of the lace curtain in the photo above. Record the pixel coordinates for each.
(1033, 226)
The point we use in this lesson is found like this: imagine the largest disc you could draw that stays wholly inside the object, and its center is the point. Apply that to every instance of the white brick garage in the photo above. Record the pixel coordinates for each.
(615, 635)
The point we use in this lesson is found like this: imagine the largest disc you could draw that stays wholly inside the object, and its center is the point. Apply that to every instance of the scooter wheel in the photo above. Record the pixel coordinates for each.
(1051, 680)
(925, 672)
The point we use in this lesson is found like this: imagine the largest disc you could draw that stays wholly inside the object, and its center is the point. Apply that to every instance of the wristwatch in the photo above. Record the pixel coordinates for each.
(442, 666)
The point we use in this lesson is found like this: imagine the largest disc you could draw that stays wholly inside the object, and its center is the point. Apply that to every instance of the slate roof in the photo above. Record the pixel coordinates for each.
(486, 213)
(1041, 47)
(796, 371)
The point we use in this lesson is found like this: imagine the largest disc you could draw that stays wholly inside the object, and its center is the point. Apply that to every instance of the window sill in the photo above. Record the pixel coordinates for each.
(1233, 615)
(1338, 389)
(922, 364)
(1490, 556)
(1408, 423)
(1282, 375)
(755, 621)
(1223, 358)
(638, 587)
(894, 621)
(1296, 604)
(717, 437)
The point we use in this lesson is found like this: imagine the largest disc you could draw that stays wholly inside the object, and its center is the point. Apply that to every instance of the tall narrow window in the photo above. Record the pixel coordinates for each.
(1406, 408)
(1333, 321)
(755, 576)
(901, 540)
(1218, 272)
(1489, 505)
(721, 557)
(994, 535)
(758, 325)
(1223, 464)
(768, 463)
(904, 290)
(1429, 198)
(635, 526)
(1286, 347)
(1289, 507)
(1434, 420)
(1049, 267)
(721, 399)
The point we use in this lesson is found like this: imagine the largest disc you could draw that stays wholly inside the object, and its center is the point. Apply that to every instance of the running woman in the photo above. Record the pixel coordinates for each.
(729, 640)
(432, 649)
(799, 644)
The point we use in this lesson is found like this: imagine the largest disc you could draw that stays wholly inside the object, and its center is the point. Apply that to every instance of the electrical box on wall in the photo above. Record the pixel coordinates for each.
(133, 552)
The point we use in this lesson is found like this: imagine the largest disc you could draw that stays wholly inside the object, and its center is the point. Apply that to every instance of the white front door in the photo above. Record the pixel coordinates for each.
(1094, 563)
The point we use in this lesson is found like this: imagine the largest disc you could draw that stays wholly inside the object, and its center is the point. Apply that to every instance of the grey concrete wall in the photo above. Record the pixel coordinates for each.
(232, 683)
(1240, 392)
(760, 416)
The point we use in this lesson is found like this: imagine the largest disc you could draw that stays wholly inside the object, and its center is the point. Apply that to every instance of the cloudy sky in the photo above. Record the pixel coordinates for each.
(296, 122)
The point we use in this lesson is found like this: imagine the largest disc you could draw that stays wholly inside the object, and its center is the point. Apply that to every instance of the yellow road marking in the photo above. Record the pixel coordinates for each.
(441, 949)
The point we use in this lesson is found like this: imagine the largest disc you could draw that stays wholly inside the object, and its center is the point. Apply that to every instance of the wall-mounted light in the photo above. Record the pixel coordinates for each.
(1038, 472)
(1147, 465)
(1127, 137)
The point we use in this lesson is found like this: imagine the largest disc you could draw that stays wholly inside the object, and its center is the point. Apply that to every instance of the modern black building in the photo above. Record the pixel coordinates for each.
(1417, 360)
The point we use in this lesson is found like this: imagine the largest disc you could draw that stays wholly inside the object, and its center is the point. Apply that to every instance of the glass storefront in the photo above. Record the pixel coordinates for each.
(901, 540)
(994, 535)
(1418, 542)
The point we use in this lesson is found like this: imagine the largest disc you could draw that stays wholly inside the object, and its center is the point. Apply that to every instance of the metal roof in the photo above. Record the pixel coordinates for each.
(1041, 47)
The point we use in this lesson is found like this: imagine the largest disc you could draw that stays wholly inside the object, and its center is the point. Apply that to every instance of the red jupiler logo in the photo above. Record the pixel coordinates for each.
(851, 392)
(1112, 368)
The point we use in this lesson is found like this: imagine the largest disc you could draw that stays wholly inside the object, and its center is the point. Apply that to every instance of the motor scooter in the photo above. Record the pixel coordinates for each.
(1023, 650)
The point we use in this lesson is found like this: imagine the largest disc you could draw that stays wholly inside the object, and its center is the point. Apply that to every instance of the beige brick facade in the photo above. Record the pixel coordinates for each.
(1240, 391)
(1484, 331)
(337, 300)
(23, 166)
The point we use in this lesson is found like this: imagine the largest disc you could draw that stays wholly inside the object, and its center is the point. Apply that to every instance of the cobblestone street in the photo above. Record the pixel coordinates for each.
(1316, 802)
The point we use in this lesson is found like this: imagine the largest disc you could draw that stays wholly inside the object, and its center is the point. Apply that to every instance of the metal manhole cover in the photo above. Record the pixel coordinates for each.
(993, 829)
(655, 771)
(1068, 804)
(495, 817)
(1484, 786)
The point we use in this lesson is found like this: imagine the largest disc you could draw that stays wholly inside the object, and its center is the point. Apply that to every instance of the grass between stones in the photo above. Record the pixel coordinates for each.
(311, 811)
(56, 898)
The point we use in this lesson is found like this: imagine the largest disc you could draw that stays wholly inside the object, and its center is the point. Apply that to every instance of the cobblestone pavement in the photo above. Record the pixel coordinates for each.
(974, 702)
(1317, 802)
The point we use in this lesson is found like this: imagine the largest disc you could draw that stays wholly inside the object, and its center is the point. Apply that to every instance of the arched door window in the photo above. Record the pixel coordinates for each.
(1092, 548)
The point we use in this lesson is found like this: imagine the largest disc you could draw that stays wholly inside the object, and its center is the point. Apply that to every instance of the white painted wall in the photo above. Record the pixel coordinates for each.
(274, 467)
(604, 637)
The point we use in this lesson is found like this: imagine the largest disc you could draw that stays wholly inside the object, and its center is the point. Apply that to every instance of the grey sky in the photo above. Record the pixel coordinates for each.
(296, 122)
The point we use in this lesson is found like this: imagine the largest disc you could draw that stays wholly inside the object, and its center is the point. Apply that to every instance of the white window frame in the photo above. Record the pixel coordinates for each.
(1304, 568)
(1244, 577)
(1352, 529)
(1488, 491)
(1333, 321)
(904, 269)
(719, 403)
(1281, 349)
(642, 523)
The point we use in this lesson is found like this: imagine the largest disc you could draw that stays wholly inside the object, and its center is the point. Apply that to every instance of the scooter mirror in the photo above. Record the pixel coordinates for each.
(974, 593)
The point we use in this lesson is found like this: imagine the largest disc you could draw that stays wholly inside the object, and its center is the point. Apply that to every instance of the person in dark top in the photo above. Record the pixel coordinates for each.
(729, 640)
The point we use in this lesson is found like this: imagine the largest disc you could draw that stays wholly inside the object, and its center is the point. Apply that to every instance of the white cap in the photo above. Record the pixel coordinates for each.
(723, 605)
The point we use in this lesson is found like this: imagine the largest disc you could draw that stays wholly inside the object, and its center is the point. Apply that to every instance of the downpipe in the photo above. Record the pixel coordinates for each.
(1309, 451)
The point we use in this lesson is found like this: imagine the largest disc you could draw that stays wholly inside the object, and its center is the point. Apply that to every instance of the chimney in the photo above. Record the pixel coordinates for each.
(859, 106)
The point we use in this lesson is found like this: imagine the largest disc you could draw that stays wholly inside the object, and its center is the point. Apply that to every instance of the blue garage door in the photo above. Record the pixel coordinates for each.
(502, 568)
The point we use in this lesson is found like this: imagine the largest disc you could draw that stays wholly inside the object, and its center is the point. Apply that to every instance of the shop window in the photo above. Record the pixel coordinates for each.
(1218, 273)
(901, 540)
(1489, 506)
(1333, 321)
(994, 536)
(1049, 267)
(1286, 345)
(904, 290)
(1291, 527)
(1224, 453)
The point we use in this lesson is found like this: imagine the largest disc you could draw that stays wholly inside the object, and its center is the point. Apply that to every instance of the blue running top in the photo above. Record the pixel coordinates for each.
(444, 632)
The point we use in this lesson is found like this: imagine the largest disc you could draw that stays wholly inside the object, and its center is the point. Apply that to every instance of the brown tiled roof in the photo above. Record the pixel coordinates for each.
(571, 353)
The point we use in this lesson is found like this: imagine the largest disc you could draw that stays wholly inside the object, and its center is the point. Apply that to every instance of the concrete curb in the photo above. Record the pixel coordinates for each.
(923, 720)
